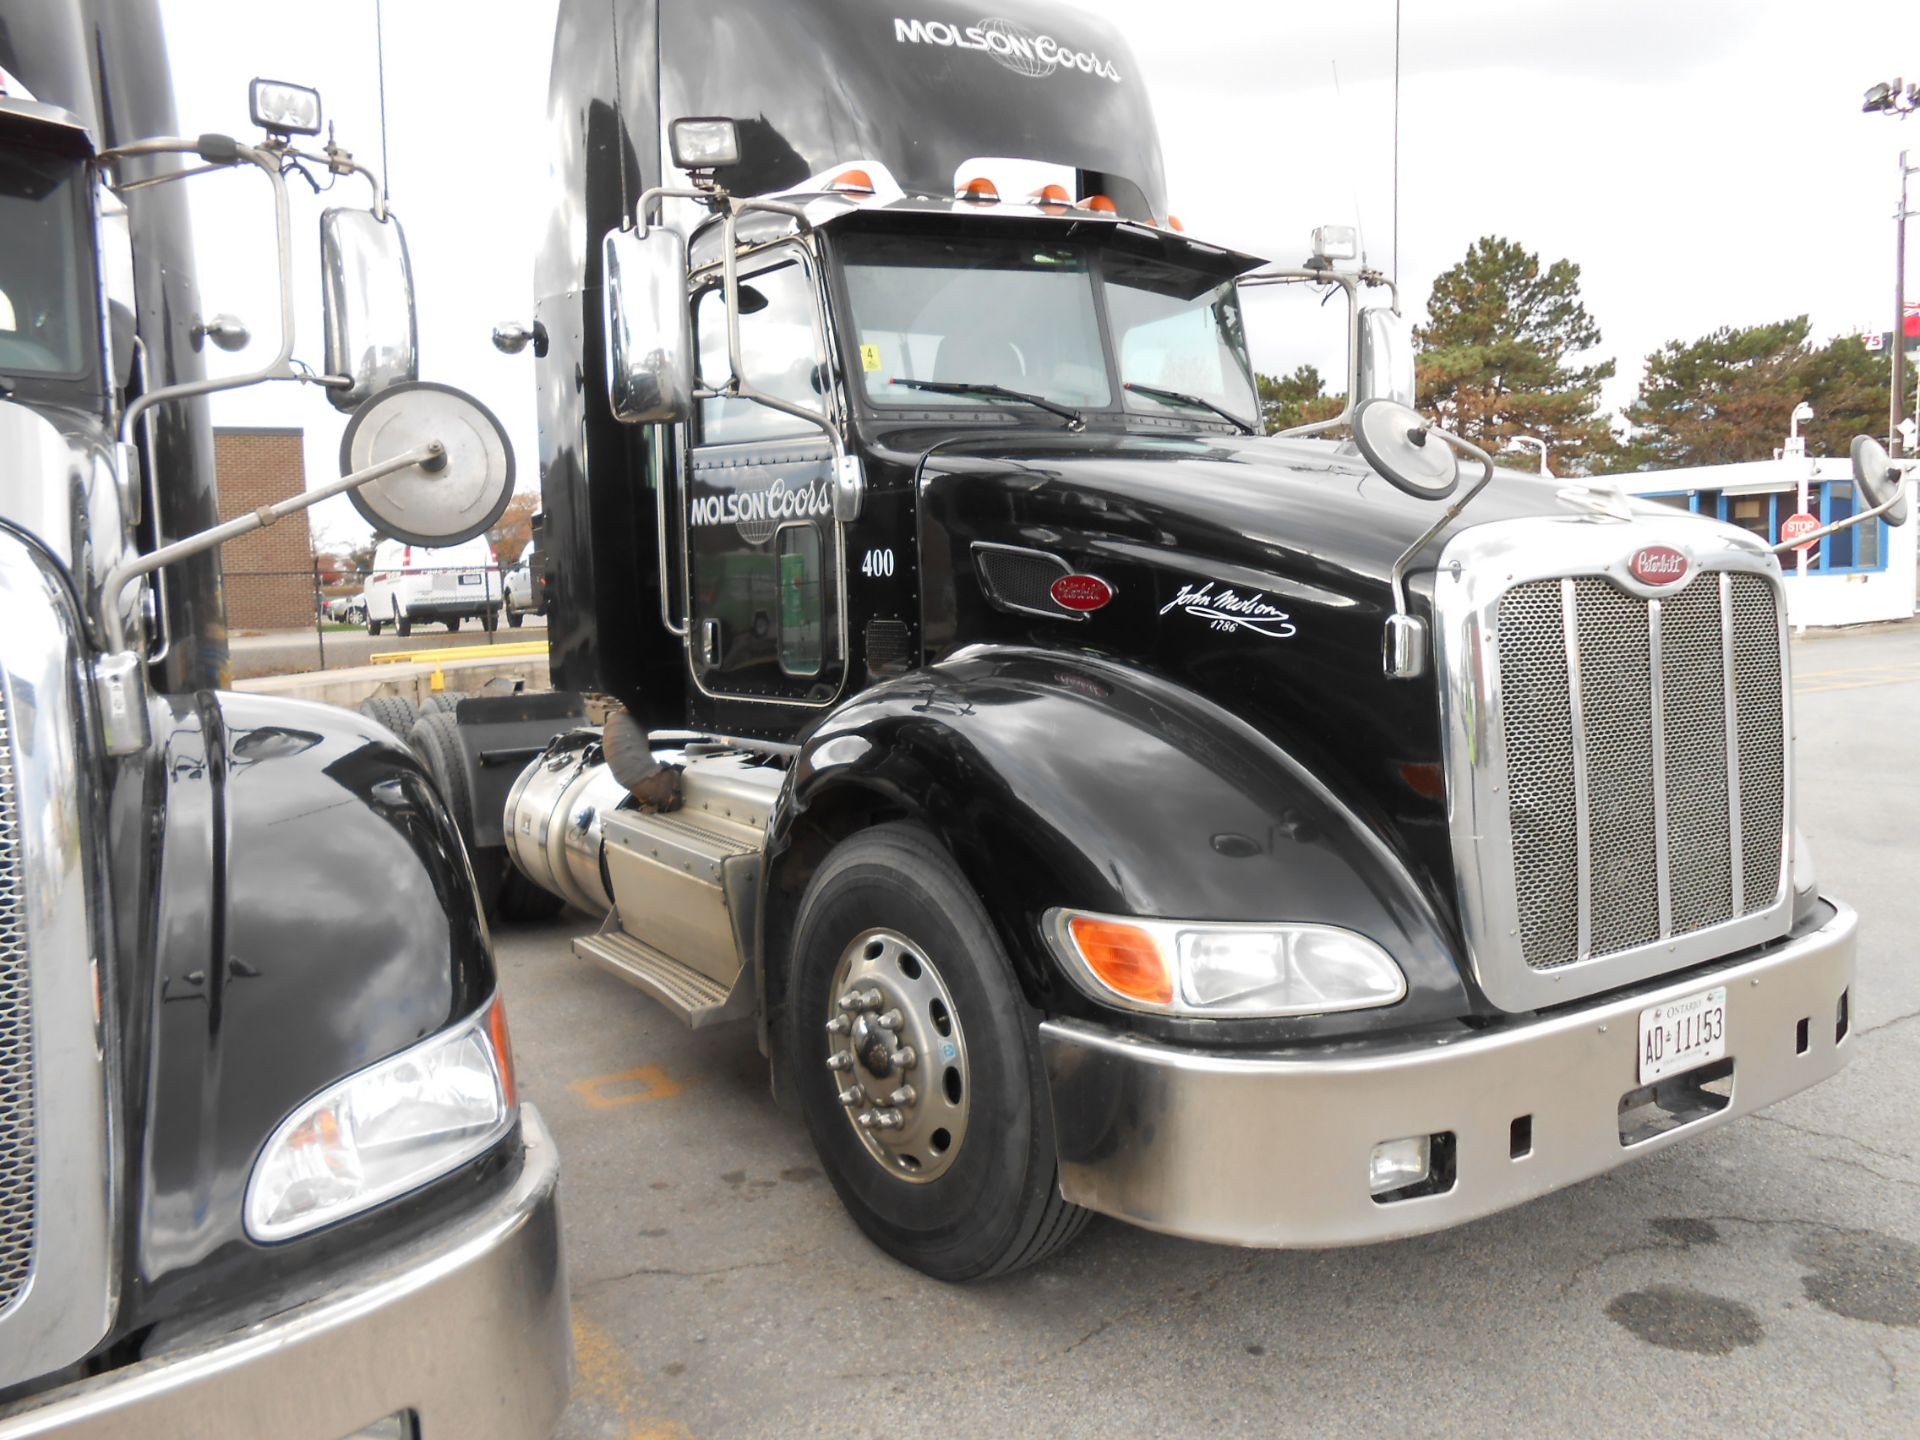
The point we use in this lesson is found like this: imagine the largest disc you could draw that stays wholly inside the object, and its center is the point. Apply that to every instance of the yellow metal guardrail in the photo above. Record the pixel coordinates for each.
(518, 649)
(515, 650)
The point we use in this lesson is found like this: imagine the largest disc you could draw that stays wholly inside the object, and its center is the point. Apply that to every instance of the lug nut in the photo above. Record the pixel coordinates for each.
(839, 1060)
(889, 1021)
(853, 1095)
(861, 1000)
(839, 1025)
(905, 1058)
(887, 1120)
(903, 1096)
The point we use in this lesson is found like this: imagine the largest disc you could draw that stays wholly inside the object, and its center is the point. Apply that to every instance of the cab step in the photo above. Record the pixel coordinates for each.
(693, 998)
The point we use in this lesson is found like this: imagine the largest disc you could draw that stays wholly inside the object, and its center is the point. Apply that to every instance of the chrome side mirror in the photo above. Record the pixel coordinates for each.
(1386, 358)
(648, 327)
(366, 284)
(1873, 472)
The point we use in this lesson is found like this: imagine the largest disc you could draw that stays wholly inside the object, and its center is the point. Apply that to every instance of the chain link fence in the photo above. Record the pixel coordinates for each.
(282, 622)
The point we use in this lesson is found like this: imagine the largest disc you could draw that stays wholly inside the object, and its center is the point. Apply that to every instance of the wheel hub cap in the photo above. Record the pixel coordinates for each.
(896, 1058)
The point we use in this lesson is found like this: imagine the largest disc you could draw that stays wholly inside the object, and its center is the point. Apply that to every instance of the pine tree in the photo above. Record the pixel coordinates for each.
(1498, 356)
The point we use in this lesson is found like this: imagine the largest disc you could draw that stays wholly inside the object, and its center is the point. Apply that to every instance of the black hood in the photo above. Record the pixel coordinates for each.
(1254, 571)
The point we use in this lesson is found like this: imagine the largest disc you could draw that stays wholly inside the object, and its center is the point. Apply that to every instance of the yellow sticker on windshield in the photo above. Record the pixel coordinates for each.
(869, 357)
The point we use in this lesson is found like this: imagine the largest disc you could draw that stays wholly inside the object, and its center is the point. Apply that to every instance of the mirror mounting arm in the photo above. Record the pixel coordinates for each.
(219, 152)
(1349, 281)
(1404, 650)
(125, 573)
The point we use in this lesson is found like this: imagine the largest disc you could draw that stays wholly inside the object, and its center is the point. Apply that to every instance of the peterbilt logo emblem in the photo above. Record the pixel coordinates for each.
(1658, 565)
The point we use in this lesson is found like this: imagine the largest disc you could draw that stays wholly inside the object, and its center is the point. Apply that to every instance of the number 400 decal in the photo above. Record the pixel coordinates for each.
(877, 563)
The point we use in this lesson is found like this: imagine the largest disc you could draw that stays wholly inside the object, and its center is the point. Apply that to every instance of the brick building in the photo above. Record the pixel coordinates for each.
(270, 572)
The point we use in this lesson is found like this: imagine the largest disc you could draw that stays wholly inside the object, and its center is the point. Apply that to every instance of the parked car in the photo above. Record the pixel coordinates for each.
(520, 597)
(347, 609)
(410, 583)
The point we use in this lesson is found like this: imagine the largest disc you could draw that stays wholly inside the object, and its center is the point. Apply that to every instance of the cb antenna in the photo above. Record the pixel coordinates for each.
(380, 62)
(1396, 144)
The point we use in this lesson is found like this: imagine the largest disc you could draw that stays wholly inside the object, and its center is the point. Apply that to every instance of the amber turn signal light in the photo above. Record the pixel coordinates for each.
(1124, 958)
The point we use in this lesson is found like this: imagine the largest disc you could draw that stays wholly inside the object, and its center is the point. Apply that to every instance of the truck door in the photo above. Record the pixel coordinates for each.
(763, 563)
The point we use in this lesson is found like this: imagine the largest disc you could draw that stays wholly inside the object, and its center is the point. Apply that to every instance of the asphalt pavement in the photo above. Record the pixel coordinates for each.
(1761, 1280)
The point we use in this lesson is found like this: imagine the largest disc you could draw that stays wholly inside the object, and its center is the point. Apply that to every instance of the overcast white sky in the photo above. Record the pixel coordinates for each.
(1705, 162)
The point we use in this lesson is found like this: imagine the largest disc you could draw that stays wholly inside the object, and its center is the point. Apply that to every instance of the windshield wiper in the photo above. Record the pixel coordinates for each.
(1179, 397)
(1075, 420)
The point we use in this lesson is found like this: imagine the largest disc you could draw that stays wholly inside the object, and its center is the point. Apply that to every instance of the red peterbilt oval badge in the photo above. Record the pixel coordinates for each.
(1080, 592)
(1658, 565)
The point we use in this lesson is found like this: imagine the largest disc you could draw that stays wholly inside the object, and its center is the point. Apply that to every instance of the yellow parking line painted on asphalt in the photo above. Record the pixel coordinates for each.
(605, 1377)
(626, 1087)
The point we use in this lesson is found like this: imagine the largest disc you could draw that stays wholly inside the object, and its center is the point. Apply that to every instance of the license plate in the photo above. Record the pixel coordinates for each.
(1682, 1034)
(469, 579)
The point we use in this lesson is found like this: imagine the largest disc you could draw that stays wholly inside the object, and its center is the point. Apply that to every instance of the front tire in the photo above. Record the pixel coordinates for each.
(889, 912)
(513, 618)
(402, 623)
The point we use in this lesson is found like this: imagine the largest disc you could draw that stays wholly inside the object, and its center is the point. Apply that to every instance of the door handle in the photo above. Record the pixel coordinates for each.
(707, 644)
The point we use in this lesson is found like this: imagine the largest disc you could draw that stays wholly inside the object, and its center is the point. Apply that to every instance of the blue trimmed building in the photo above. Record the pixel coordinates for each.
(1862, 574)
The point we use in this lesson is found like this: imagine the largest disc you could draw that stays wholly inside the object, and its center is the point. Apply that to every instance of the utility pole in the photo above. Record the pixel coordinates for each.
(1896, 407)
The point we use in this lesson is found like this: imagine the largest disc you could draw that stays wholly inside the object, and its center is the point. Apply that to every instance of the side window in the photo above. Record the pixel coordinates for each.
(802, 605)
(778, 349)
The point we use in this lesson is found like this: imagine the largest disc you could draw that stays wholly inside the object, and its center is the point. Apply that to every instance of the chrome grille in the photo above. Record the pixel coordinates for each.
(18, 1137)
(1633, 819)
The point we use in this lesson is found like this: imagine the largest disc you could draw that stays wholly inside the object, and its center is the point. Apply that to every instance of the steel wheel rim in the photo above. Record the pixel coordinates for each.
(904, 1086)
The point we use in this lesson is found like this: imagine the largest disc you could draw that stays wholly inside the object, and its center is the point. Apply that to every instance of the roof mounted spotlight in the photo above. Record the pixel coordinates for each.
(1331, 243)
(702, 144)
(283, 109)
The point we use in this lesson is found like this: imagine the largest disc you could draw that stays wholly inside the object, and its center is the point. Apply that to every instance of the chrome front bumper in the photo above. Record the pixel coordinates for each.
(468, 1330)
(1272, 1149)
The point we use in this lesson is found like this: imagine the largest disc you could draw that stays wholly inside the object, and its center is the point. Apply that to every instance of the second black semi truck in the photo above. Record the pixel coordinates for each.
(1099, 804)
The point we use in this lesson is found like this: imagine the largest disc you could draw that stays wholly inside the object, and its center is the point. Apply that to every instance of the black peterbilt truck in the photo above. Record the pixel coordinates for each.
(1098, 804)
(263, 1169)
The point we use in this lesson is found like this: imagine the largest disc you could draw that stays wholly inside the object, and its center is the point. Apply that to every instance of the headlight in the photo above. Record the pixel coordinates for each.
(390, 1128)
(1180, 967)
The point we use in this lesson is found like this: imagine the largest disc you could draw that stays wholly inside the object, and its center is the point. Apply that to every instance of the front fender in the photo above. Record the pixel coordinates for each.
(1060, 779)
(314, 913)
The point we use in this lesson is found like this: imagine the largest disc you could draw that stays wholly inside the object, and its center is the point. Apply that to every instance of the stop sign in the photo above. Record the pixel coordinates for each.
(1798, 524)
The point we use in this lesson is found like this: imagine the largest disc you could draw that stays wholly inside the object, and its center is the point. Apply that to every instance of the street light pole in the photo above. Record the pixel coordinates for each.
(1521, 442)
(1891, 99)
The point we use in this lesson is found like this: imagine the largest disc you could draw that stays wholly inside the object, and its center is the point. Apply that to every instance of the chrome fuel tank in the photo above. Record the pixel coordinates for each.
(553, 821)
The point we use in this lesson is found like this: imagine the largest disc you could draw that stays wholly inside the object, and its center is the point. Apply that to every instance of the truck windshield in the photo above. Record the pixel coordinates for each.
(46, 327)
(1179, 333)
(944, 315)
(981, 311)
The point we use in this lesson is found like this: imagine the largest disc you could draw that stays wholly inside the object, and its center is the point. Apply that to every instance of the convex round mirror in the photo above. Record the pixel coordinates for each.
(1398, 442)
(1873, 472)
(442, 506)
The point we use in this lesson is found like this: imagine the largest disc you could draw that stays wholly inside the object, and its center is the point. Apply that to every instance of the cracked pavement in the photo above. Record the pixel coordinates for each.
(1762, 1279)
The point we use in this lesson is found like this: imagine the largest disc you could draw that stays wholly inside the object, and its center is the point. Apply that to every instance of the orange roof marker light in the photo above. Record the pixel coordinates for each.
(1173, 223)
(979, 190)
(1051, 197)
(1102, 203)
(852, 182)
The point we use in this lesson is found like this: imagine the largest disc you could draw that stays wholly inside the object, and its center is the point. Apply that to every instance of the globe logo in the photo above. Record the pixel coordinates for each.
(1013, 46)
